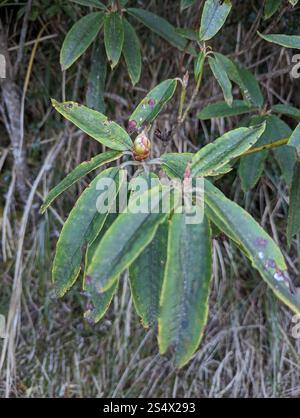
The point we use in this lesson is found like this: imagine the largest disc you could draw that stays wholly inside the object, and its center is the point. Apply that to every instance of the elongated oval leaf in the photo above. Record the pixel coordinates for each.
(244, 79)
(287, 110)
(95, 124)
(78, 172)
(210, 158)
(185, 292)
(79, 38)
(294, 140)
(113, 37)
(294, 205)
(251, 166)
(152, 104)
(160, 26)
(222, 78)
(264, 254)
(126, 238)
(288, 41)
(285, 156)
(146, 275)
(82, 226)
(213, 18)
(96, 79)
(132, 52)
(222, 109)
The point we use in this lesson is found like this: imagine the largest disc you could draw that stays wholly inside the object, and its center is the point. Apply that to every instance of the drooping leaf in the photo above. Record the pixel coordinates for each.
(186, 286)
(259, 247)
(146, 275)
(113, 37)
(160, 26)
(78, 172)
(287, 110)
(271, 7)
(92, 3)
(127, 237)
(96, 79)
(213, 18)
(132, 52)
(222, 78)
(221, 110)
(294, 140)
(152, 104)
(199, 65)
(79, 38)
(95, 124)
(244, 79)
(184, 4)
(288, 41)
(250, 87)
(213, 156)
(82, 226)
(251, 166)
(294, 205)
(285, 156)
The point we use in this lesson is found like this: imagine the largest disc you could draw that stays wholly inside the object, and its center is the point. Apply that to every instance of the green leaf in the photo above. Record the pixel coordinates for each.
(95, 124)
(199, 65)
(293, 2)
(188, 33)
(99, 303)
(132, 52)
(244, 79)
(96, 79)
(79, 38)
(82, 226)
(160, 26)
(91, 3)
(152, 104)
(285, 156)
(251, 166)
(218, 154)
(213, 18)
(146, 275)
(126, 238)
(220, 75)
(186, 286)
(259, 247)
(184, 4)
(113, 37)
(78, 172)
(271, 7)
(287, 110)
(222, 109)
(174, 164)
(294, 140)
(293, 226)
(288, 41)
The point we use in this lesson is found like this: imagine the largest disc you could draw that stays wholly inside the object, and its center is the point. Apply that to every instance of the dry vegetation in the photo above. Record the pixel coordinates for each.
(247, 350)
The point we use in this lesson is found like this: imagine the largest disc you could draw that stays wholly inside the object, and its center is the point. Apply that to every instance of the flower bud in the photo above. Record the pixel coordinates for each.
(141, 147)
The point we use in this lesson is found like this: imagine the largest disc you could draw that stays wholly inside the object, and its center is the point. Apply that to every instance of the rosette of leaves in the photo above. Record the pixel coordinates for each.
(169, 259)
